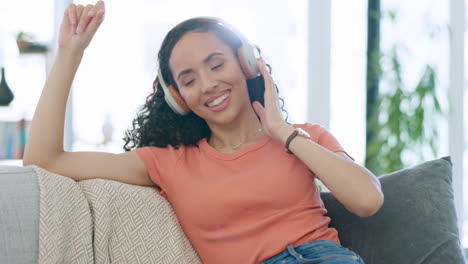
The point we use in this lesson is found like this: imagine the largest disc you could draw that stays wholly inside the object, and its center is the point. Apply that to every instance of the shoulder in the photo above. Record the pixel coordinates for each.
(165, 154)
(321, 136)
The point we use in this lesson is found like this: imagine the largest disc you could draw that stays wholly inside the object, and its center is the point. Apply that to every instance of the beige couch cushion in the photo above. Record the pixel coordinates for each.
(131, 224)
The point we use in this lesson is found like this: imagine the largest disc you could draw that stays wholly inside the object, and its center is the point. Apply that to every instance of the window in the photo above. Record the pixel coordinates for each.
(348, 76)
(465, 159)
(120, 64)
(25, 73)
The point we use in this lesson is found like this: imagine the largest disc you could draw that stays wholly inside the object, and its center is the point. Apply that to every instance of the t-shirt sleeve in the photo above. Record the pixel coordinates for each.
(323, 137)
(155, 162)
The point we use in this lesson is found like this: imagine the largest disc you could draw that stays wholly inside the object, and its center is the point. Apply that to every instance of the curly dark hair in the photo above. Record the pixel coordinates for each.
(156, 124)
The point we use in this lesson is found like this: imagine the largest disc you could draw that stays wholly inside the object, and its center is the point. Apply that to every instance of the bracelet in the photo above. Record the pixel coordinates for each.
(288, 141)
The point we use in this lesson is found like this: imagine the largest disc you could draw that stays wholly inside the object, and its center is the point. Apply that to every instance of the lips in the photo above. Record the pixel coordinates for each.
(218, 99)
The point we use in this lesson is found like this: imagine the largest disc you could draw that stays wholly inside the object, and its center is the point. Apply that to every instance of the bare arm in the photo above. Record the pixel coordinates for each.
(354, 186)
(124, 167)
(45, 143)
(45, 140)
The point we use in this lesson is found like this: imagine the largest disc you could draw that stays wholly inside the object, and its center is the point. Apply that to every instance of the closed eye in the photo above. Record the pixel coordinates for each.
(217, 66)
(189, 82)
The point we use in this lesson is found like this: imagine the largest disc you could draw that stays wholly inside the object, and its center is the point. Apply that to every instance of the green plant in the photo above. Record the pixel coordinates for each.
(23, 35)
(26, 43)
(403, 120)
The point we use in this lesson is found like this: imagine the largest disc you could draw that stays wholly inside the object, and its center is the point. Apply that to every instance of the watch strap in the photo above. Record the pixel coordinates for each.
(290, 138)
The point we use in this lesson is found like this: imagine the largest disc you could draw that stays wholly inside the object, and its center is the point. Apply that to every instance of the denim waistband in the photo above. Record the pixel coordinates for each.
(295, 251)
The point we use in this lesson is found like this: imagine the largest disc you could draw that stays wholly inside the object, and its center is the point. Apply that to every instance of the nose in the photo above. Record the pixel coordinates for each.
(208, 82)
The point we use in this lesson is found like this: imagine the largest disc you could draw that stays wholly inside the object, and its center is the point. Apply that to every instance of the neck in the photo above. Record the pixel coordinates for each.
(229, 138)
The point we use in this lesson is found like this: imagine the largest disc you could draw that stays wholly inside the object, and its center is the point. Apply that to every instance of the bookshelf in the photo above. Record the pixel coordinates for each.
(14, 128)
(15, 119)
(26, 53)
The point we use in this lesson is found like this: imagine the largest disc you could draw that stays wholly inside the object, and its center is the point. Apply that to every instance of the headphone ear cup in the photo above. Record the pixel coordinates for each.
(183, 108)
(173, 97)
(247, 56)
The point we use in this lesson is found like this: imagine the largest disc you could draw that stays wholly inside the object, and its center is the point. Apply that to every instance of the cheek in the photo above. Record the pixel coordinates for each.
(191, 98)
(243, 86)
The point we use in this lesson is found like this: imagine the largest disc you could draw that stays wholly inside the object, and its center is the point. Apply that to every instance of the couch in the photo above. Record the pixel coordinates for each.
(417, 223)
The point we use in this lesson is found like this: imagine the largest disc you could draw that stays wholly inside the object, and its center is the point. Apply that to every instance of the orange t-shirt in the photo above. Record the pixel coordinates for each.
(246, 206)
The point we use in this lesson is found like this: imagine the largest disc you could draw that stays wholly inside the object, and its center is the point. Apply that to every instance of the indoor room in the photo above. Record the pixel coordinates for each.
(374, 91)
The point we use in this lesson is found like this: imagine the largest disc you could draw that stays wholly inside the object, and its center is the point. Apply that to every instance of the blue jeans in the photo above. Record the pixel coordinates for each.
(315, 252)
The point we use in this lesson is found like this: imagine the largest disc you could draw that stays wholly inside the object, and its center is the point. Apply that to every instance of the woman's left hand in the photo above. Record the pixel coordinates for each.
(270, 114)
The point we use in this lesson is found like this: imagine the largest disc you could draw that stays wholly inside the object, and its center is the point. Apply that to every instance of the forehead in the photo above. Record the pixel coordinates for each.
(193, 47)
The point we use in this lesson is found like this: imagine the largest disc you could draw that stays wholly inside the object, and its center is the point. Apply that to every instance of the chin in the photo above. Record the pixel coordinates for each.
(221, 118)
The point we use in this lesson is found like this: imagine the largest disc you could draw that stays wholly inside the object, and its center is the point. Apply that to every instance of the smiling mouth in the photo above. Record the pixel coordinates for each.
(219, 100)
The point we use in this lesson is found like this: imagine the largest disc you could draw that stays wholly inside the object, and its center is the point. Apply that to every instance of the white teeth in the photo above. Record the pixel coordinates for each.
(218, 101)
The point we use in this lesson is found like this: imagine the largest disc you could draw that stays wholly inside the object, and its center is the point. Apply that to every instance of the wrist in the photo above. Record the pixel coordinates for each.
(298, 132)
(282, 132)
(68, 54)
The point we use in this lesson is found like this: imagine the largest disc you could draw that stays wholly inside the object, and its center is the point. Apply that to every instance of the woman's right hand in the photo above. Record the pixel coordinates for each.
(79, 25)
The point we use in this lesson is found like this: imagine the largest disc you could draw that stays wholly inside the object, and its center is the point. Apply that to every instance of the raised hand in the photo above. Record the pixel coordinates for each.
(270, 115)
(79, 25)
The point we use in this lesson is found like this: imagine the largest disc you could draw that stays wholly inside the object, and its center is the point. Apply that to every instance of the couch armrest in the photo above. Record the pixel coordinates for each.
(19, 216)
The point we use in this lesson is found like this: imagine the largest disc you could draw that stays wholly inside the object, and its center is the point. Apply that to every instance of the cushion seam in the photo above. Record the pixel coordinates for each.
(435, 249)
(14, 172)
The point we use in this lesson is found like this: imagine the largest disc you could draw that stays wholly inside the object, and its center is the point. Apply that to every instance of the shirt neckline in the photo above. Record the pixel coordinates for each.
(236, 154)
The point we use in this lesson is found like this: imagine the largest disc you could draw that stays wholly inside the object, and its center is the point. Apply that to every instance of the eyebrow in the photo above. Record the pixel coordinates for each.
(204, 61)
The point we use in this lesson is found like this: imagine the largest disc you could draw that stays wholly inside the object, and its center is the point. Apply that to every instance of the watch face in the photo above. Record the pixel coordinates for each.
(303, 133)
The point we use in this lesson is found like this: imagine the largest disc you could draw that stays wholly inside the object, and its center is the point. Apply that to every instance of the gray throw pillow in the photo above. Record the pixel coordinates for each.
(417, 223)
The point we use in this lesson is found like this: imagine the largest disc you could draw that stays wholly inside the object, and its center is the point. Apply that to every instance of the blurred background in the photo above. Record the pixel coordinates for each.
(387, 77)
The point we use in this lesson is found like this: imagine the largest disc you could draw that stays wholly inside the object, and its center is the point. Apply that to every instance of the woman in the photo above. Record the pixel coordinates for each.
(212, 141)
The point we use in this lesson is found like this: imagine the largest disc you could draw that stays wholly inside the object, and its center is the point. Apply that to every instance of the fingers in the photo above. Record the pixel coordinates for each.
(69, 19)
(79, 16)
(84, 19)
(98, 16)
(270, 88)
(79, 25)
(268, 82)
(72, 14)
(91, 15)
(98, 7)
(259, 109)
(79, 11)
(266, 75)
